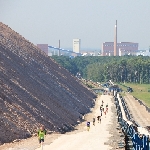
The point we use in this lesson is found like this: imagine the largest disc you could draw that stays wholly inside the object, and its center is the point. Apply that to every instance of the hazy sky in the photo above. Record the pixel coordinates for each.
(47, 21)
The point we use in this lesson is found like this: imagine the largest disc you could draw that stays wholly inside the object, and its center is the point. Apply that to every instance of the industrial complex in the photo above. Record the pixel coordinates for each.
(108, 49)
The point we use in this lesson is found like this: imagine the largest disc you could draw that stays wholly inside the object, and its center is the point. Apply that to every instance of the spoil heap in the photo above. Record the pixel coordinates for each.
(35, 90)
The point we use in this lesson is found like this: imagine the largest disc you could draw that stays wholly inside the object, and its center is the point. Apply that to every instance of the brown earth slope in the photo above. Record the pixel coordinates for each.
(35, 90)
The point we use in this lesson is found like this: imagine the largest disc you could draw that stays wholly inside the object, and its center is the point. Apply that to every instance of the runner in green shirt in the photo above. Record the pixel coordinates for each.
(41, 134)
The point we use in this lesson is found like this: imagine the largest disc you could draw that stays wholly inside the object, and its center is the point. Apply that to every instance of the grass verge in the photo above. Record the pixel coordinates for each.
(140, 91)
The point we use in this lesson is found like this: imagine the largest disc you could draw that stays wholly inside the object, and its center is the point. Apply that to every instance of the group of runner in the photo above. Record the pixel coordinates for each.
(42, 132)
(102, 111)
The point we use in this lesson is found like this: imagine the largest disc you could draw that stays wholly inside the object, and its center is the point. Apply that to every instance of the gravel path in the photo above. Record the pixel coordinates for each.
(103, 136)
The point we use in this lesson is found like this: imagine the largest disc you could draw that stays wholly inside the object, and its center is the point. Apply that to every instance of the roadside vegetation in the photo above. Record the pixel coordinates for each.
(134, 71)
(140, 91)
(131, 69)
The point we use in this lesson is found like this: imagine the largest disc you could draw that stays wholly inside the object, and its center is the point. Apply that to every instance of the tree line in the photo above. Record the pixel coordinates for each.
(133, 69)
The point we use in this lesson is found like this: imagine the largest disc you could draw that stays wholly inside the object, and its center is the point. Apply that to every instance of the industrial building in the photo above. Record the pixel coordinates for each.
(76, 45)
(119, 49)
(43, 47)
(122, 48)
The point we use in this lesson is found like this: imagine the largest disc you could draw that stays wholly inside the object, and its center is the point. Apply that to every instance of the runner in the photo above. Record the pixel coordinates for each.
(88, 126)
(93, 121)
(41, 134)
(100, 108)
(103, 109)
(107, 107)
(99, 119)
(101, 112)
(105, 113)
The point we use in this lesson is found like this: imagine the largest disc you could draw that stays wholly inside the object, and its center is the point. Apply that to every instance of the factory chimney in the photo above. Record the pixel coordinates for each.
(115, 41)
(59, 48)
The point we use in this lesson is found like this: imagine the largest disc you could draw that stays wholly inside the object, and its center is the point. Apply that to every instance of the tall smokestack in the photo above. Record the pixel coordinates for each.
(115, 41)
(59, 48)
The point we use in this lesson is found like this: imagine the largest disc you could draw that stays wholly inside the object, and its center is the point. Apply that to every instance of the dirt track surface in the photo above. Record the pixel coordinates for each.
(102, 136)
(139, 113)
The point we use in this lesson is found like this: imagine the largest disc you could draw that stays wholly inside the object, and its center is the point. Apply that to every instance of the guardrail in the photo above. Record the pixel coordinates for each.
(133, 140)
(127, 112)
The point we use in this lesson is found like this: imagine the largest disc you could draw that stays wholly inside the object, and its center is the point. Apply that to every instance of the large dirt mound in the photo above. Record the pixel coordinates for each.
(35, 90)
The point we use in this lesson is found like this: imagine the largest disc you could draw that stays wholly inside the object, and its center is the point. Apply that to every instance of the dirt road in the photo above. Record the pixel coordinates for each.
(93, 139)
(139, 113)
(101, 136)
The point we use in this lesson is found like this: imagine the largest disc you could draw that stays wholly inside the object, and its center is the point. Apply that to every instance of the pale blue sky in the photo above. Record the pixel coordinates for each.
(47, 21)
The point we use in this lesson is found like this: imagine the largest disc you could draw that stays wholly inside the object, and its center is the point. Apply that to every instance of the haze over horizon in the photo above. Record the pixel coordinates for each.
(47, 22)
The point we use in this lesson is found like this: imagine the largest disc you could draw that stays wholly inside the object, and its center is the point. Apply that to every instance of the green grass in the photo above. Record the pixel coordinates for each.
(140, 91)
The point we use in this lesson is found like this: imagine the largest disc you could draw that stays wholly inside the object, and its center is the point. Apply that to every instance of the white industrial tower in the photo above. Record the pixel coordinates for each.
(76, 45)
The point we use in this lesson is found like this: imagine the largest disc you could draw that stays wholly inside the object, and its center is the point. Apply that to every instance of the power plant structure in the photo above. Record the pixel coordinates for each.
(115, 40)
(43, 47)
(59, 48)
(108, 48)
(76, 45)
(119, 49)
